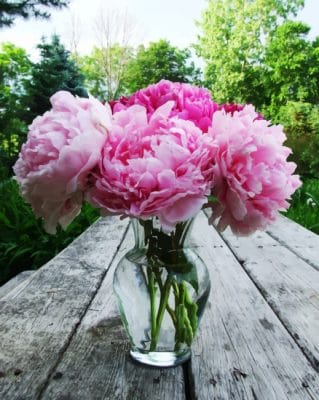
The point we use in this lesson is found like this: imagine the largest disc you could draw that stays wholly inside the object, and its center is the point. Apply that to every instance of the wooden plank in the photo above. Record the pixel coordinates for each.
(37, 323)
(297, 238)
(96, 365)
(287, 282)
(20, 279)
(243, 351)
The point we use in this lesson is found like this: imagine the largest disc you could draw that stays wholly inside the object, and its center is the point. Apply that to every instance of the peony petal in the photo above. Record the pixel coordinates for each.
(63, 147)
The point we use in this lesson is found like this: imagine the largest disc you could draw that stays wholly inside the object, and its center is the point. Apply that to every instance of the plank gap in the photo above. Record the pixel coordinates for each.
(292, 250)
(312, 360)
(73, 332)
(97, 364)
(189, 381)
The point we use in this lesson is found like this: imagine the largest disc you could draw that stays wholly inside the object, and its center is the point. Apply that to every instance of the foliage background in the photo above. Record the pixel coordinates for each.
(253, 54)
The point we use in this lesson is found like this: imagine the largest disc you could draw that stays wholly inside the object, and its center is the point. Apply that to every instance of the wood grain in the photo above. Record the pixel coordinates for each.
(19, 280)
(61, 337)
(289, 284)
(96, 364)
(243, 351)
(300, 240)
(38, 321)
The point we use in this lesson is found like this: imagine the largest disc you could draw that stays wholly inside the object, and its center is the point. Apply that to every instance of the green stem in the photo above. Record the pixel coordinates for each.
(172, 314)
(160, 284)
(152, 290)
(186, 315)
(164, 248)
(161, 310)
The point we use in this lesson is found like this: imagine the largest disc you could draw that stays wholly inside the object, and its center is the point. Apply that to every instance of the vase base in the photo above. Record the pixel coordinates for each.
(161, 358)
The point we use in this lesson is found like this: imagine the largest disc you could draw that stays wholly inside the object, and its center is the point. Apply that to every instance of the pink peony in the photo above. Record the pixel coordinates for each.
(233, 107)
(190, 102)
(63, 146)
(158, 168)
(252, 176)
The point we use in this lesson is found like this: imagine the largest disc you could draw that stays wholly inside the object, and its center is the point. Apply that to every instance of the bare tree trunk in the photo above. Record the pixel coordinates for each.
(74, 35)
(115, 31)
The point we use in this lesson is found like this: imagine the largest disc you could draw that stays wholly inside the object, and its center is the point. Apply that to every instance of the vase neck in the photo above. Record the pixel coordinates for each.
(149, 234)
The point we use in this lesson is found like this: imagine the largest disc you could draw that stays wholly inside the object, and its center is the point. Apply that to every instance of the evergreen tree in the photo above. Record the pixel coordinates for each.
(9, 10)
(55, 71)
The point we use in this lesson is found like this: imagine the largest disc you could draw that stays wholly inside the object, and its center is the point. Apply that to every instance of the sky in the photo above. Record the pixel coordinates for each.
(153, 19)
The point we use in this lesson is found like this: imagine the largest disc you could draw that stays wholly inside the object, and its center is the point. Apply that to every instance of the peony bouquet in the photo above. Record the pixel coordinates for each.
(166, 151)
(158, 156)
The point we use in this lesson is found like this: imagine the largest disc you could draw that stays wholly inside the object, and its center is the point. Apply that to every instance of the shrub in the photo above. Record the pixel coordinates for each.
(23, 242)
(305, 205)
(301, 123)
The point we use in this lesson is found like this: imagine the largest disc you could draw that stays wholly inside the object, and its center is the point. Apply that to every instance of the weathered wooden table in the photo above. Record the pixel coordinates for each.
(61, 337)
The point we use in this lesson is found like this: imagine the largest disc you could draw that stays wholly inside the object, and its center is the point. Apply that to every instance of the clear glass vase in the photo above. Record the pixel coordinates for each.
(161, 286)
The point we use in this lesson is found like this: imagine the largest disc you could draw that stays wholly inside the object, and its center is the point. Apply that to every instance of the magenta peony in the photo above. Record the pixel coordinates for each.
(162, 153)
(252, 178)
(190, 102)
(233, 107)
(63, 146)
(161, 167)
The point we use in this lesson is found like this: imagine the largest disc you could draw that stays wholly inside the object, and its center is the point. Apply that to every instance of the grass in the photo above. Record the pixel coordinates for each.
(304, 207)
(23, 242)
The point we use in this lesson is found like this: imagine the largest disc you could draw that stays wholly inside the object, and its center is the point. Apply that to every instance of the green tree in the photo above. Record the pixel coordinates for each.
(55, 71)
(15, 69)
(104, 70)
(315, 66)
(301, 124)
(292, 68)
(160, 60)
(9, 10)
(233, 34)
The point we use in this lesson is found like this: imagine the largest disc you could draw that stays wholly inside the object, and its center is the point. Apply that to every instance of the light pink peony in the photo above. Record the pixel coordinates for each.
(62, 148)
(158, 168)
(191, 103)
(252, 176)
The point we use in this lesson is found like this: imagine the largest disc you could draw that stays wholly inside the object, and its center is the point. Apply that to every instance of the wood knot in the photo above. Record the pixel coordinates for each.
(237, 373)
(57, 375)
(17, 371)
